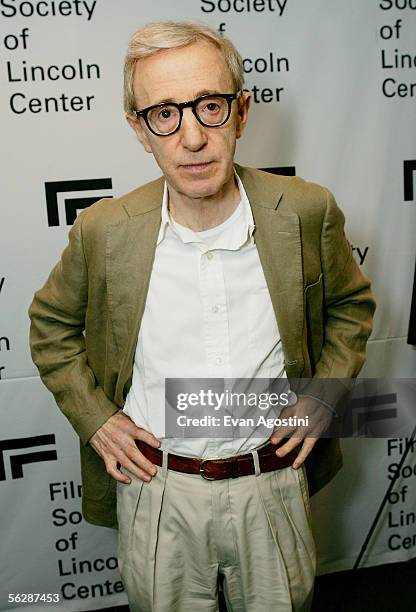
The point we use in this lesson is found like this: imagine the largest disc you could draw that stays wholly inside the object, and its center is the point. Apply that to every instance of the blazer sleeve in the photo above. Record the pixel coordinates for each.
(57, 342)
(348, 313)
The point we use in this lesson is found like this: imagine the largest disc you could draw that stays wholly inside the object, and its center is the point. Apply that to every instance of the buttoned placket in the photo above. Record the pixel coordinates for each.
(214, 302)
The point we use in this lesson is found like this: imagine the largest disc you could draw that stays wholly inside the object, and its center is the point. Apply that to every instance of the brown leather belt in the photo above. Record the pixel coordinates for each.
(217, 469)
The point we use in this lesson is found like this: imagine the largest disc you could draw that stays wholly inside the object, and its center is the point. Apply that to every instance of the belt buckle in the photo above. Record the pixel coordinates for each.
(202, 470)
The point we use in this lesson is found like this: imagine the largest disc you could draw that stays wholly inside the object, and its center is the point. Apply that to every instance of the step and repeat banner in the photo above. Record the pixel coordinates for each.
(333, 87)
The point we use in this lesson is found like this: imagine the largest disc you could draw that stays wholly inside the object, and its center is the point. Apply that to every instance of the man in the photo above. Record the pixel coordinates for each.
(214, 271)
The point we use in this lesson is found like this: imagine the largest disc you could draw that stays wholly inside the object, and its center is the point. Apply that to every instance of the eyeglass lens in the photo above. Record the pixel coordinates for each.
(211, 111)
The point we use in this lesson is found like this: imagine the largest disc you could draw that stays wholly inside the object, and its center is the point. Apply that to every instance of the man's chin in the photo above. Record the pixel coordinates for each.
(199, 188)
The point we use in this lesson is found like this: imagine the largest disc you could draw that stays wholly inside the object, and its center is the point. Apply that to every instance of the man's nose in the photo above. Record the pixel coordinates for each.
(193, 134)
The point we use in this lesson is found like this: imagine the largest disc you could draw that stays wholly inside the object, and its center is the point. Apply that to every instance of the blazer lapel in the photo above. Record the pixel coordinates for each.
(131, 245)
(278, 240)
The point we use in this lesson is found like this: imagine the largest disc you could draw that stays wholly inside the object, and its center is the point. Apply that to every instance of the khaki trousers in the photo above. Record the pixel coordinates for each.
(180, 533)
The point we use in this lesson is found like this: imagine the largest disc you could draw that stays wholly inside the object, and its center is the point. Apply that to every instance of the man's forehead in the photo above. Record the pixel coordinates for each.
(189, 71)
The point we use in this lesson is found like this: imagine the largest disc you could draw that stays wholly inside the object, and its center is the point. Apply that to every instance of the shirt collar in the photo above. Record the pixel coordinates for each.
(188, 235)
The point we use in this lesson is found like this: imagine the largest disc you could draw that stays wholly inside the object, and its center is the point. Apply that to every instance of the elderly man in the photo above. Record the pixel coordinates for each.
(213, 271)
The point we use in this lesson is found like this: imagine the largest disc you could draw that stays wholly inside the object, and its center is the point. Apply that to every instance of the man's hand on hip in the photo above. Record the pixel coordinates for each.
(319, 419)
(115, 443)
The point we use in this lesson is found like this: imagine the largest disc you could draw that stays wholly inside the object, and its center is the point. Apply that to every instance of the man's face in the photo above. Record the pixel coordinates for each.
(196, 161)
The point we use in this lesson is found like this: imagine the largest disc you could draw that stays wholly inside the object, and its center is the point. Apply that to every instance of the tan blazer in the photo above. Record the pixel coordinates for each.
(322, 302)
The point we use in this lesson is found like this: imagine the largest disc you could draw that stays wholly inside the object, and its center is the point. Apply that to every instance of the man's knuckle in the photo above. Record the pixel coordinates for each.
(128, 451)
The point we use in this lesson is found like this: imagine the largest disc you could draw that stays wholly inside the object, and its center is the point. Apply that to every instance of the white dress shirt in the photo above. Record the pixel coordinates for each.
(208, 314)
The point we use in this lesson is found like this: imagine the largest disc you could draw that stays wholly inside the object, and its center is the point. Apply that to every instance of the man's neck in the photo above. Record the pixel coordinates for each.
(200, 214)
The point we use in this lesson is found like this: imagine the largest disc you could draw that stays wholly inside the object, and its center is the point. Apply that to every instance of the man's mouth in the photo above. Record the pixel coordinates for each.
(196, 168)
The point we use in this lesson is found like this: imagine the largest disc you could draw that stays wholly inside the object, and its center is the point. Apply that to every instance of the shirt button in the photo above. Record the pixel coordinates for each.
(210, 255)
(218, 360)
(215, 308)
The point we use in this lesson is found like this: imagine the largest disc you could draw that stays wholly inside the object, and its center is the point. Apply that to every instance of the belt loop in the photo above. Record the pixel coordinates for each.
(256, 462)
(165, 464)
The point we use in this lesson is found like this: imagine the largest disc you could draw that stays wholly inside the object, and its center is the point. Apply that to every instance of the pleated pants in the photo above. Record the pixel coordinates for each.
(180, 535)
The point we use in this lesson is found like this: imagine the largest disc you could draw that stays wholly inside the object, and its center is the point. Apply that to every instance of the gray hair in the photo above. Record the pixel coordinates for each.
(158, 35)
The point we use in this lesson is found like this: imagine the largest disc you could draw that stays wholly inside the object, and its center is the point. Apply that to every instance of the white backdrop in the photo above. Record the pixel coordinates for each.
(334, 90)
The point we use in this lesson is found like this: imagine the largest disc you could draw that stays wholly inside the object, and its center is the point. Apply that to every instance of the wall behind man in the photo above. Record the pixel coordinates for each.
(334, 92)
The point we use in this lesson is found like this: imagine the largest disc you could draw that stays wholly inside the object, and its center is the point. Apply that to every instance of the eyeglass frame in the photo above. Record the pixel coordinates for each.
(192, 104)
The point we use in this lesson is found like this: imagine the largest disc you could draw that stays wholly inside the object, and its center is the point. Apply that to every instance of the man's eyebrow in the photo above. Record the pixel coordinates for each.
(206, 92)
(202, 92)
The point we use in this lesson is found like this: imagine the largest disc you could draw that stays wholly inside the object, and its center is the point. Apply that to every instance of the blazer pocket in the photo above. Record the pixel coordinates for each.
(315, 284)
(315, 317)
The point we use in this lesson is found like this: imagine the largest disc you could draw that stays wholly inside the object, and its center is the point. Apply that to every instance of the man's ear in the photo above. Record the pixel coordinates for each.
(142, 137)
(242, 114)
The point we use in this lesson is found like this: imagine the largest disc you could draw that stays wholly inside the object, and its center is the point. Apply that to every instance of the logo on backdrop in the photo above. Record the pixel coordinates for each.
(409, 169)
(285, 170)
(365, 410)
(411, 335)
(73, 204)
(18, 461)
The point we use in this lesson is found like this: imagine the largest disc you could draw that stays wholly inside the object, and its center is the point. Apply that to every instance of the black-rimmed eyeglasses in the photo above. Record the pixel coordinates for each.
(212, 110)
